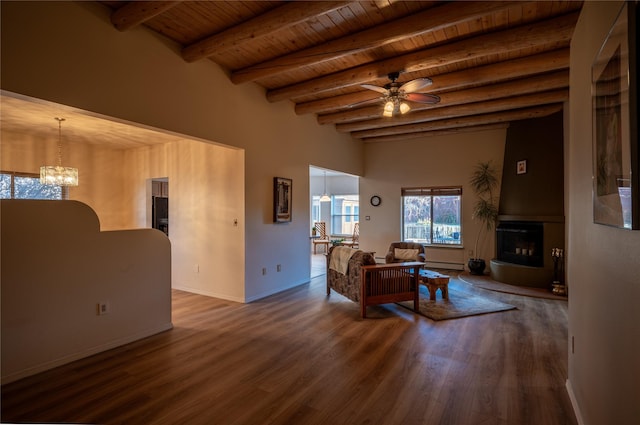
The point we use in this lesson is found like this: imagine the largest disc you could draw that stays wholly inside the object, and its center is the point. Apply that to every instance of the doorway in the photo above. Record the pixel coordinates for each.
(340, 211)
(160, 204)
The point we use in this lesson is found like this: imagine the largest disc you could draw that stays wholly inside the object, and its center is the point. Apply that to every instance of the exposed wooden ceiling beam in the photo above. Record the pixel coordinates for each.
(275, 20)
(492, 73)
(425, 129)
(385, 126)
(444, 132)
(556, 32)
(539, 83)
(429, 20)
(136, 13)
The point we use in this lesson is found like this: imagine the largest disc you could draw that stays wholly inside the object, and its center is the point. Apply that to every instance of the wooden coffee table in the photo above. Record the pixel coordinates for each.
(434, 281)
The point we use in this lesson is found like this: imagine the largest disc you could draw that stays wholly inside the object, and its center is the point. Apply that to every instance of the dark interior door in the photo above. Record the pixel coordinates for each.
(161, 214)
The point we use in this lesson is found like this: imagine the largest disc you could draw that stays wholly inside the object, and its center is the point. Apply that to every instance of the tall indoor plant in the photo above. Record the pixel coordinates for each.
(483, 181)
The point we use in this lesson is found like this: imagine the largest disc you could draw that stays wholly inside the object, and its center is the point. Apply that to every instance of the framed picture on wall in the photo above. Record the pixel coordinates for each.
(521, 167)
(614, 82)
(282, 195)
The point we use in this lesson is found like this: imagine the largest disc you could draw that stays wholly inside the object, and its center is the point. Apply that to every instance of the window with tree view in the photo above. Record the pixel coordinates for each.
(431, 215)
(27, 186)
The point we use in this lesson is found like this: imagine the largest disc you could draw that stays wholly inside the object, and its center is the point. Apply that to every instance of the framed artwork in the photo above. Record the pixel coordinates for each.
(614, 88)
(282, 192)
(521, 167)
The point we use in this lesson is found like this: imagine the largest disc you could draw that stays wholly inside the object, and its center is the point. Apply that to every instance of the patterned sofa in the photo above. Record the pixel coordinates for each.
(368, 283)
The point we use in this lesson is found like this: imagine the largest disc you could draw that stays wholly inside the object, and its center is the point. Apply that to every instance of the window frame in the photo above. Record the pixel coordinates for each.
(64, 192)
(355, 216)
(431, 192)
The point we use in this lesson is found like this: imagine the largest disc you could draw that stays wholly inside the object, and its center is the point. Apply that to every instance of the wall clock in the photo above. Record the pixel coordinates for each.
(375, 200)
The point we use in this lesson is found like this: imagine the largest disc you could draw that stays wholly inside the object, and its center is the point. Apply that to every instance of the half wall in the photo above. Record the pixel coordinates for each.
(57, 267)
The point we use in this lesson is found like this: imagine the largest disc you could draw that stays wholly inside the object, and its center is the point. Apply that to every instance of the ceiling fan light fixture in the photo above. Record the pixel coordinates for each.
(389, 106)
(396, 96)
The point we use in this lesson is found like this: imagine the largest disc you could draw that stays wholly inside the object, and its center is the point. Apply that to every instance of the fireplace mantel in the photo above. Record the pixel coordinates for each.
(539, 218)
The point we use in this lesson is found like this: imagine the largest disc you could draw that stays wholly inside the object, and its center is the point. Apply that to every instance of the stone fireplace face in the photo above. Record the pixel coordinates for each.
(520, 242)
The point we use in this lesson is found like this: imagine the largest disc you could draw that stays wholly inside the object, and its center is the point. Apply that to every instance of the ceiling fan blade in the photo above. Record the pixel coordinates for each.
(415, 85)
(366, 102)
(375, 88)
(423, 98)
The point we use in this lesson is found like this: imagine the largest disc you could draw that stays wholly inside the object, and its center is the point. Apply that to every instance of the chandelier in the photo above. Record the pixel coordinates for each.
(325, 197)
(57, 175)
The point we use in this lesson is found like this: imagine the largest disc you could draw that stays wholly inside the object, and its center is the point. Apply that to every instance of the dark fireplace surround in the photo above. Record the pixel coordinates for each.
(520, 242)
(531, 210)
(538, 235)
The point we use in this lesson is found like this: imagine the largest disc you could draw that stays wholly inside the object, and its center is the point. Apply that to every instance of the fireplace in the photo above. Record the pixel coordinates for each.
(524, 245)
(520, 242)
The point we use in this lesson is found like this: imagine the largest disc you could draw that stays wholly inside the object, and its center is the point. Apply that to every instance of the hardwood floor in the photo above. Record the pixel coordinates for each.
(301, 357)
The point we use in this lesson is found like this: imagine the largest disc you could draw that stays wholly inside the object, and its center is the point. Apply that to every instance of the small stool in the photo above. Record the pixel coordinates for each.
(435, 281)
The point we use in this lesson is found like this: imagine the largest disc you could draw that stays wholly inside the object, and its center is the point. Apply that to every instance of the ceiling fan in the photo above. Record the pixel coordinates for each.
(395, 94)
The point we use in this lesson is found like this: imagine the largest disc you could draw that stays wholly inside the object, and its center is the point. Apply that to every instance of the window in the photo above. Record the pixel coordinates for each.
(345, 210)
(315, 209)
(27, 186)
(431, 215)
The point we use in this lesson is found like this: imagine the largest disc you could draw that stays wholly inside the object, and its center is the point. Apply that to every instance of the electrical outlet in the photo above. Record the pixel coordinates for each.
(196, 268)
(278, 268)
(264, 270)
(102, 308)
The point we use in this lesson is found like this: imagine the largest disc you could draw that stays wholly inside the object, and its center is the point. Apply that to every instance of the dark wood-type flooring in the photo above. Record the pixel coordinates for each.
(300, 357)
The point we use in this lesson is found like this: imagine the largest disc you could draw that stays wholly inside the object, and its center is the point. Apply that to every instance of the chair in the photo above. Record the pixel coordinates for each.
(368, 283)
(400, 252)
(355, 238)
(323, 239)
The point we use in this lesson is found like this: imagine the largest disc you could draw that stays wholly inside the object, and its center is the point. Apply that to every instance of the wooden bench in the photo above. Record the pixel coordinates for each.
(434, 281)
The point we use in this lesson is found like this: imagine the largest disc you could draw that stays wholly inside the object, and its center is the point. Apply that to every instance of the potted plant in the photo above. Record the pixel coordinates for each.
(314, 231)
(483, 181)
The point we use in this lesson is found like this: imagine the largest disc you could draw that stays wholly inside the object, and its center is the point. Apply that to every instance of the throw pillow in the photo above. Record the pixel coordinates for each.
(405, 254)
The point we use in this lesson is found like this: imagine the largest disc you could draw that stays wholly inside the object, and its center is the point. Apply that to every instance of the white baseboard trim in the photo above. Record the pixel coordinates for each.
(445, 265)
(267, 294)
(90, 351)
(198, 291)
(574, 403)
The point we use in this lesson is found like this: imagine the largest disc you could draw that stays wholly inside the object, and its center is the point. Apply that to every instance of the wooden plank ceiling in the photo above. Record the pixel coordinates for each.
(491, 62)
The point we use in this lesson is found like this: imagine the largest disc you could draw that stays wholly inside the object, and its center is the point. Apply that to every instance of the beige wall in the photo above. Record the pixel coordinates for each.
(206, 188)
(100, 187)
(603, 262)
(434, 161)
(206, 185)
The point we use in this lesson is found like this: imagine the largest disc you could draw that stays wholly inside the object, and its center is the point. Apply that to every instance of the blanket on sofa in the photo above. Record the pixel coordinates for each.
(340, 257)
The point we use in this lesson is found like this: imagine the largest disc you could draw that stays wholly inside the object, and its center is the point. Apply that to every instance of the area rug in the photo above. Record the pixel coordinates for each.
(460, 304)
